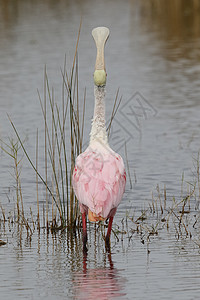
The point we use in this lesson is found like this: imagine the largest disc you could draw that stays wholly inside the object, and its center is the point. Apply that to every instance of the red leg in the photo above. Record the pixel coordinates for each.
(107, 240)
(84, 232)
(85, 262)
(110, 261)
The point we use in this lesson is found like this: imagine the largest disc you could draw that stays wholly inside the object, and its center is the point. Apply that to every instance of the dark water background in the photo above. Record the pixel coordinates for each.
(153, 56)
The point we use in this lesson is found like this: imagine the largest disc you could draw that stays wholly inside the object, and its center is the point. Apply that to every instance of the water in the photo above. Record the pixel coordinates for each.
(152, 55)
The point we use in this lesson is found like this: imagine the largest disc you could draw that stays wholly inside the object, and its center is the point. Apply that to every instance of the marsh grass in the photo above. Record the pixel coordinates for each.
(59, 161)
(179, 217)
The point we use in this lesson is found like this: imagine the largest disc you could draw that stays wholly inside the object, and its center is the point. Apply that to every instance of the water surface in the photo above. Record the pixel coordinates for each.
(153, 56)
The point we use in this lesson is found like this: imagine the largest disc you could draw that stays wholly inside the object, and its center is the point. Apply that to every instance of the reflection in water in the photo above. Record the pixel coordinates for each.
(171, 18)
(176, 23)
(98, 283)
(155, 46)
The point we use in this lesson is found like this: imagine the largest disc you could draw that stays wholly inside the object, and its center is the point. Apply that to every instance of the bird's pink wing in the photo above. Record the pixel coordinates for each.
(99, 181)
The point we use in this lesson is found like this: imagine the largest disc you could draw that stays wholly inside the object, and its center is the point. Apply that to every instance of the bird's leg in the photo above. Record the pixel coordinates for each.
(110, 261)
(84, 232)
(84, 262)
(107, 239)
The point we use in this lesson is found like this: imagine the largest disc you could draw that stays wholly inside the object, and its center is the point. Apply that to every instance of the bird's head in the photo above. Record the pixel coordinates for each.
(100, 35)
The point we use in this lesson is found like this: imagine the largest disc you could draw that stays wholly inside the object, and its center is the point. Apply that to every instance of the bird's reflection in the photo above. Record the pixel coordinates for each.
(98, 283)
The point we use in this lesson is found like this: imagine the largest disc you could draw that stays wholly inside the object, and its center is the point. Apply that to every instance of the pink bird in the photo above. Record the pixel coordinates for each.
(99, 175)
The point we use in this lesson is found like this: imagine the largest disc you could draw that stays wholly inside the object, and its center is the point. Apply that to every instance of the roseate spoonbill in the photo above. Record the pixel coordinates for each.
(99, 175)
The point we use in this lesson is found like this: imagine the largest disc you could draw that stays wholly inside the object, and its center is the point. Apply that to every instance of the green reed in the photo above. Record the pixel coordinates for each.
(59, 161)
(12, 149)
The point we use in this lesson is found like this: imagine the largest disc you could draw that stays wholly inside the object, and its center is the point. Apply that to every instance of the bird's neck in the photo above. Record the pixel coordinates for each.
(98, 131)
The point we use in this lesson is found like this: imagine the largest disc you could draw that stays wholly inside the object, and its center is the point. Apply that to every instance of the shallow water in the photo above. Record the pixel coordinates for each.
(152, 55)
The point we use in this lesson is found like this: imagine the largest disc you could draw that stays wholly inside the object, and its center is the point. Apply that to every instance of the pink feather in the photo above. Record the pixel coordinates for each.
(99, 180)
